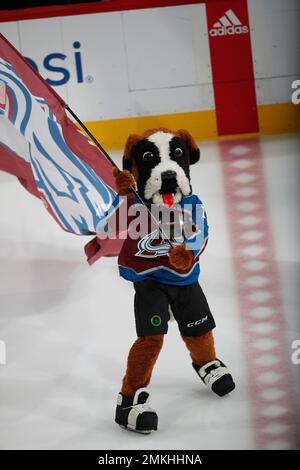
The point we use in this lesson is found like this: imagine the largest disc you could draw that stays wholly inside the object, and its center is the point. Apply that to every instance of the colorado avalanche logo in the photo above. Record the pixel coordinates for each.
(152, 246)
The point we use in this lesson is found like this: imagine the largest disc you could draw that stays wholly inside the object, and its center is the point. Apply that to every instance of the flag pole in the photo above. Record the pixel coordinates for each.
(107, 156)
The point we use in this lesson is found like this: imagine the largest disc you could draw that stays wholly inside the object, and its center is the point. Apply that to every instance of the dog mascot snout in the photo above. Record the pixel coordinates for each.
(165, 278)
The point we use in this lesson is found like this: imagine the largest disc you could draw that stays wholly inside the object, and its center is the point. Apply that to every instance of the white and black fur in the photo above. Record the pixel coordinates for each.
(163, 162)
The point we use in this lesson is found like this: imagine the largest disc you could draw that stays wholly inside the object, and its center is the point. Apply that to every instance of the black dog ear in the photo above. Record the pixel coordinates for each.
(128, 151)
(194, 156)
(192, 145)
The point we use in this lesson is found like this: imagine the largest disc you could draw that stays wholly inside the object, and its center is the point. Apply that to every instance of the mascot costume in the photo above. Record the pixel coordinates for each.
(165, 278)
(54, 161)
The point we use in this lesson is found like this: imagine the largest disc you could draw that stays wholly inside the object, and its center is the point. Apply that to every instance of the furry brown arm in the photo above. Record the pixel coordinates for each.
(124, 181)
(180, 257)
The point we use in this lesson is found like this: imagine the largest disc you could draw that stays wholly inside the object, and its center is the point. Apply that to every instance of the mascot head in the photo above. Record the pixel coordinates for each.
(160, 162)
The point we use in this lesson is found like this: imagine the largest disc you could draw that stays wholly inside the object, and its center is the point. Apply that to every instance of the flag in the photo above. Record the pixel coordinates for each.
(50, 156)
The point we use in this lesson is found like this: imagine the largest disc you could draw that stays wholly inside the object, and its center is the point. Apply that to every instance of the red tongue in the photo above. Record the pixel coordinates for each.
(168, 199)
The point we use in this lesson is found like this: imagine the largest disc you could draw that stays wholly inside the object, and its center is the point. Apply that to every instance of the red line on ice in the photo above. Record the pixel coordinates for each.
(267, 352)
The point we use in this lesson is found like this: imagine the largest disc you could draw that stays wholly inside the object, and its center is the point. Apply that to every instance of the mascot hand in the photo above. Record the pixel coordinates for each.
(124, 181)
(181, 257)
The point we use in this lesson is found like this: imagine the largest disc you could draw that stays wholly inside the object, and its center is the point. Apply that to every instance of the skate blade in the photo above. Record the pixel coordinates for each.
(135, 430)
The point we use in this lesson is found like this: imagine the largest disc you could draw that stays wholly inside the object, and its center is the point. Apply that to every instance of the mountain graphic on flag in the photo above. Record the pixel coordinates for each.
(49, 155)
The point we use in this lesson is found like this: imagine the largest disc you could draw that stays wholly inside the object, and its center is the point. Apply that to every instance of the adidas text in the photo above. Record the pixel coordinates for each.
(229, 31)
(228, 25)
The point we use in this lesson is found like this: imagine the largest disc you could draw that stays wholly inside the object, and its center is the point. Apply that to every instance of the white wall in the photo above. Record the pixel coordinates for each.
(157, 61)
(275, 36)
(142, 62)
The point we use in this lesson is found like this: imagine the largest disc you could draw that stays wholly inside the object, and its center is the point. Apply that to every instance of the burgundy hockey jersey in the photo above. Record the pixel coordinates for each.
(146, 257)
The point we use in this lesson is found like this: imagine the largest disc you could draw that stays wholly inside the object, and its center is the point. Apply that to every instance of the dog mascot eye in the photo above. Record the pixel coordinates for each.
(178, 152)
(147, 156)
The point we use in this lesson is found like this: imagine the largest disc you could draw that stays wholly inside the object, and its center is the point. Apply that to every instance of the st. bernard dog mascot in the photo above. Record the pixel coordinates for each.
(164, 269)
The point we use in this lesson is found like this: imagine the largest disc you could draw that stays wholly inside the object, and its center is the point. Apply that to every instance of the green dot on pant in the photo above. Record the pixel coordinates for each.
(155, 320)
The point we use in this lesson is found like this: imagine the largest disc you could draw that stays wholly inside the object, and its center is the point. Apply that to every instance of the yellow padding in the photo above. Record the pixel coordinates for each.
(273, 119)
(114, 133)
(279, 118)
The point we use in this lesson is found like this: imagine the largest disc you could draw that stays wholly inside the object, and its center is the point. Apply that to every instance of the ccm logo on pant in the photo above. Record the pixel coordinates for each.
(197, 322)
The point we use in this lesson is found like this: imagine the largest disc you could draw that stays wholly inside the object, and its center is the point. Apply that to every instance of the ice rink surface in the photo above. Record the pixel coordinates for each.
(68, 327)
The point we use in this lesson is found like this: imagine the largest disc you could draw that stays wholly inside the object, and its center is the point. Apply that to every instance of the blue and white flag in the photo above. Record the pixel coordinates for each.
(51, 157)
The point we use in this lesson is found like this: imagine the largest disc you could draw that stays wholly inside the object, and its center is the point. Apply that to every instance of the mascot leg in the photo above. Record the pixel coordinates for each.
(211, 370)
(201, 348)
(132, 411)
(141, 360)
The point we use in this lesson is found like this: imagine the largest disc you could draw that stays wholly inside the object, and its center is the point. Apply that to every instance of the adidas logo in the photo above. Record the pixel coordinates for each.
(228, 24)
